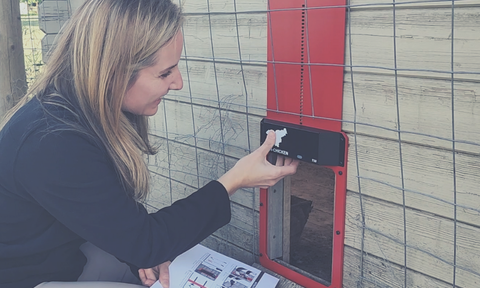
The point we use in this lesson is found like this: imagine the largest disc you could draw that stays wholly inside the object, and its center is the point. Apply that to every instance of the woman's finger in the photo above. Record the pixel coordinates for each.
(141, 274)
(280, 160)
(288, 161)
(289, 167)
(164, 274)
(151, 274)
(148, 276)
(268, 144)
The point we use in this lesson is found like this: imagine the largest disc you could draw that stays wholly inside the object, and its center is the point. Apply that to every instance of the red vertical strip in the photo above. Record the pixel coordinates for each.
(305, 53)
(322, 24)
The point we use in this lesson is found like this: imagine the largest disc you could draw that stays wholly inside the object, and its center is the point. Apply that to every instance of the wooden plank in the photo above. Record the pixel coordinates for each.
(159, 196)
(238, 237)
(244, 220)
(378, 272)
(430, 239)
(287, 205)
(176, 161)
(182, 169)
(408, 4)
(230, 87)
(47, 44)
(202, 31)
(12, 76)
(425, 107)
(426, 170)
(180, 121)
(275, 221)
(52, 14)
(423, 38)
(465, 92)
(229, 250)
(74, 4)
(427, 174)
(222, 6)
(221, 131)
(157, 123)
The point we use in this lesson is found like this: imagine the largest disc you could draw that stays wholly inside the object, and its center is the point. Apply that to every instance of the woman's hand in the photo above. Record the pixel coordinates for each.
(254, 170)
(151, 275)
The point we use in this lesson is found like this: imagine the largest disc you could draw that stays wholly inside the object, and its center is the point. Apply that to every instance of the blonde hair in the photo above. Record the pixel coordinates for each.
(96, 59)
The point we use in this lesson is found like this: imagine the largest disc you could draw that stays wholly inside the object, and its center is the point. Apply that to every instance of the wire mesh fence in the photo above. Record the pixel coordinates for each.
(410, 108)
(32, 37)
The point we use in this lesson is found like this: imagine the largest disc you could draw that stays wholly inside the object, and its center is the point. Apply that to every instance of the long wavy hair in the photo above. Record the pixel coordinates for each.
(96, 59)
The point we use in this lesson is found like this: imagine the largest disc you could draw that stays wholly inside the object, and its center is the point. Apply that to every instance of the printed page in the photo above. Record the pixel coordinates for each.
(201, 267)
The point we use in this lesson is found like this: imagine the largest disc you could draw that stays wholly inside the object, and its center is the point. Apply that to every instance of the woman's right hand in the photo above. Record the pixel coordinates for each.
(151, 275)
(254, 170)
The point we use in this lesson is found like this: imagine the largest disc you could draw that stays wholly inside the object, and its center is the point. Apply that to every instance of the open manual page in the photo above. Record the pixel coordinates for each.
(201, 267)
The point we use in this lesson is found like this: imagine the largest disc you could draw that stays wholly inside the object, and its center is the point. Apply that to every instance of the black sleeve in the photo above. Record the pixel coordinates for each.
(77, 184)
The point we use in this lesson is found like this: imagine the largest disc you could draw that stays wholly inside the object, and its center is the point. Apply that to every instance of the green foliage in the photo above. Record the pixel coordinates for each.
(31, 2)
(32, 36)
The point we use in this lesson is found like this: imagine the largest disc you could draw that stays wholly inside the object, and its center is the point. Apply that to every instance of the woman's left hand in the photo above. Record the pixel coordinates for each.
(254, 170)
(160, 272)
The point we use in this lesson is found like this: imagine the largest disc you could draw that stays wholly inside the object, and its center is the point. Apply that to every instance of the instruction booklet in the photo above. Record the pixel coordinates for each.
(201, 267)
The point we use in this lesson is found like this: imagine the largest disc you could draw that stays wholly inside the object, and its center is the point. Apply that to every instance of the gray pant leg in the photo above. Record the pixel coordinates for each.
(102, 266)
(87, 284)
(101, 271)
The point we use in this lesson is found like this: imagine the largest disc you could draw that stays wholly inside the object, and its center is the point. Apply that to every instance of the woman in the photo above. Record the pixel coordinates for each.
(71, 157)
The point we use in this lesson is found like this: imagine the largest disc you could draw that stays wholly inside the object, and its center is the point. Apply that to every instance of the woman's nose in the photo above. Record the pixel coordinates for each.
(177, 83)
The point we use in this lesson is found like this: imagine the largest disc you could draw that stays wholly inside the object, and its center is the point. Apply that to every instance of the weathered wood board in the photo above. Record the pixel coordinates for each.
(423, 42)
(424, 105)
(430, 239)
(428, 177)
(52, 14)
(380, 272)
(13, 83)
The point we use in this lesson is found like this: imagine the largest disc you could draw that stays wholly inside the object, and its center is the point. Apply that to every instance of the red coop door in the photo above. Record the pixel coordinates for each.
(306, 51)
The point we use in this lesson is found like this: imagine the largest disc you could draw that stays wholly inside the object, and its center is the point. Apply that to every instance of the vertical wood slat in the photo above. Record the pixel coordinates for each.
(275, 218)
(52, 14)
(12, 66)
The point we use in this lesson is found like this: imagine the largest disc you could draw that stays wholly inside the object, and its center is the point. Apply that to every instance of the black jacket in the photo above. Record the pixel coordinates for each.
(59, 188)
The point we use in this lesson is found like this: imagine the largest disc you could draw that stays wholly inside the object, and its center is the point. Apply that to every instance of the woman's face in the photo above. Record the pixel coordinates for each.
(154, 82)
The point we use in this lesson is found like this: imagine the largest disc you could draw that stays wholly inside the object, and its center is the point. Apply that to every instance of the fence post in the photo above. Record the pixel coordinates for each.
(13, 83)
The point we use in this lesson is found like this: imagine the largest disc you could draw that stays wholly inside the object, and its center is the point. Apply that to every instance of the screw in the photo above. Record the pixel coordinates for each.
(340, 173)
(338, 232)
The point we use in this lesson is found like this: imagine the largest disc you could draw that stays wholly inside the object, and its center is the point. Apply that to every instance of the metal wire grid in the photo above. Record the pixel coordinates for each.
(251, 109)
(171, 140)
(39, 33)
(399, 131)
(32, 36)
